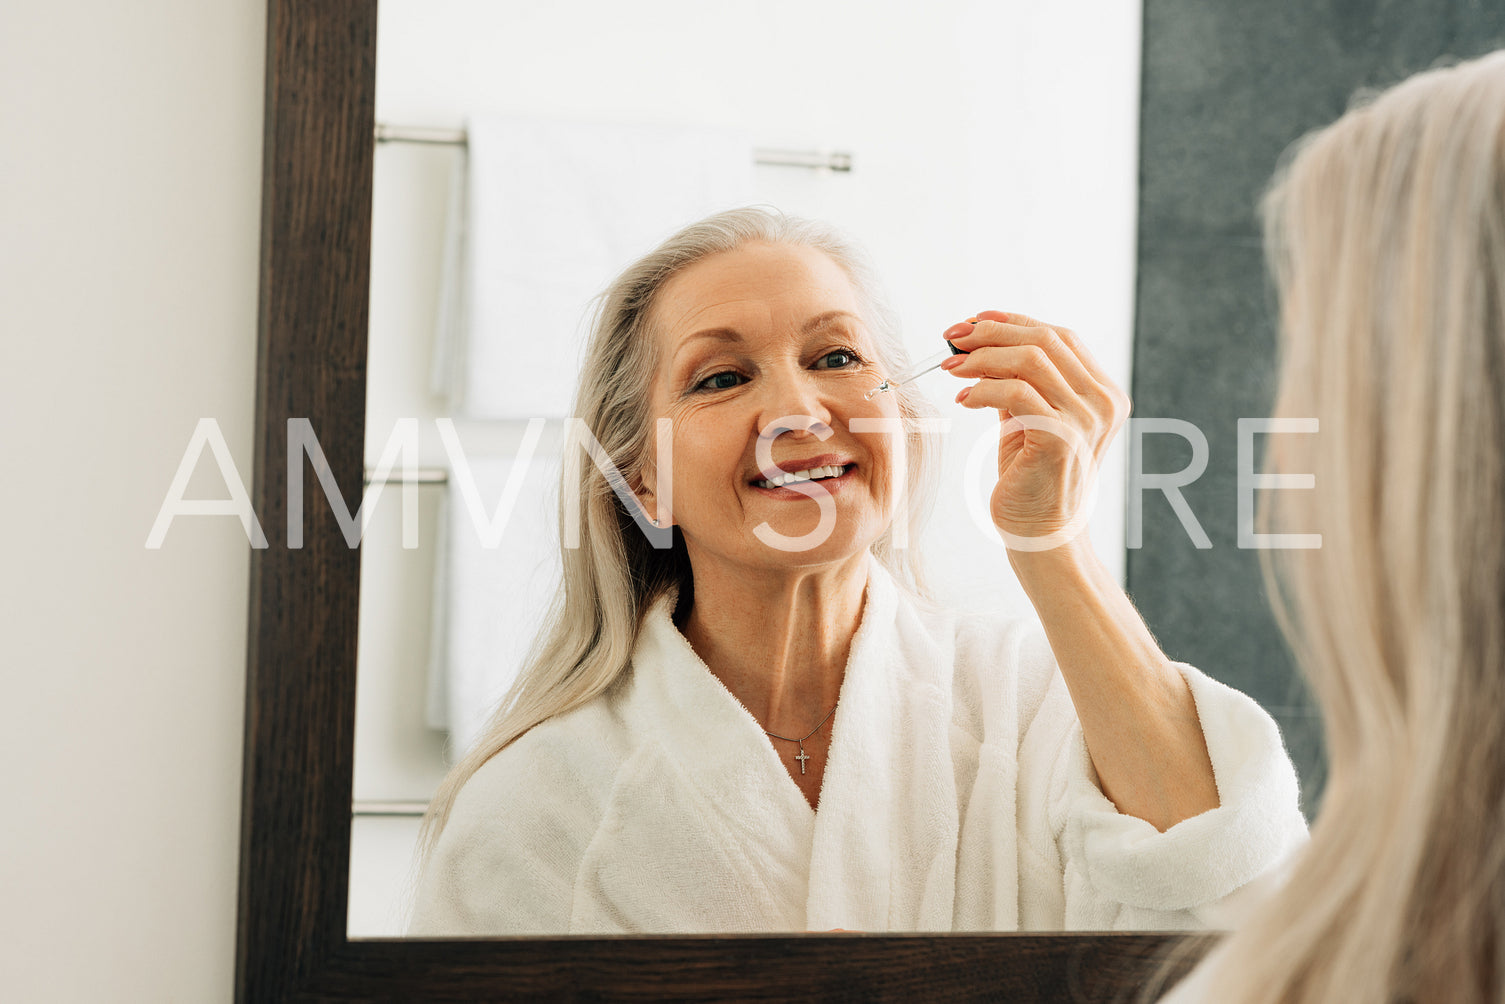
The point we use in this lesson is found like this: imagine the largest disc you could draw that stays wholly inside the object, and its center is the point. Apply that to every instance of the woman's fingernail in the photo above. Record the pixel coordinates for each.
(963, 395)
(971, 320)
(953, 362)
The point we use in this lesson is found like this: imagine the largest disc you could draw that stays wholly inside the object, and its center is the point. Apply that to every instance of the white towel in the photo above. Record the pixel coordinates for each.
(489, 601)
(551, 212)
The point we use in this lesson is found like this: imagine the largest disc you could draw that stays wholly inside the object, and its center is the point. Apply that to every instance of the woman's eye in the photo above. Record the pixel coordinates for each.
(838, 359)
(725, 380)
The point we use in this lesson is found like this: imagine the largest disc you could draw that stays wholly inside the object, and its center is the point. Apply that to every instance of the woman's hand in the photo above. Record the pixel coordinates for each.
(1059, 410)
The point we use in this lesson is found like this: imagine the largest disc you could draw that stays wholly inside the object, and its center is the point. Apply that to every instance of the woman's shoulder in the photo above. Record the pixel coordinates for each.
(506, 859)
(565, 763)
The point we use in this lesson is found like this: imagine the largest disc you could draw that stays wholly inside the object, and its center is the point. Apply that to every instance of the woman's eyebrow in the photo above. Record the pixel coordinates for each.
(824, 320)
(720, 334)
(727, 335)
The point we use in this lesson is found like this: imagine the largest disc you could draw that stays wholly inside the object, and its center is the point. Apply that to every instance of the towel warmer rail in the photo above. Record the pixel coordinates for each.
(826, 160)
(380, 807)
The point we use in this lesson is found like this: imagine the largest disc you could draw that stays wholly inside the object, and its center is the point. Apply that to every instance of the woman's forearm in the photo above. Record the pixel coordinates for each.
(1137, 712)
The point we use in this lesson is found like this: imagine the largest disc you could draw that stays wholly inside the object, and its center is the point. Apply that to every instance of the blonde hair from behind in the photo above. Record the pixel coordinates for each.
(1386, 236)
(615, 575)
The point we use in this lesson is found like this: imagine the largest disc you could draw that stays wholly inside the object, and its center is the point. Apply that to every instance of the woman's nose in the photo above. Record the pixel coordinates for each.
(794, 405)
(798, 425)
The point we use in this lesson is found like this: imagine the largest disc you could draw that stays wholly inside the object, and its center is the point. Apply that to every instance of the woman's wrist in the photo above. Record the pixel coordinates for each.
(1083, 607)
(1073, 564)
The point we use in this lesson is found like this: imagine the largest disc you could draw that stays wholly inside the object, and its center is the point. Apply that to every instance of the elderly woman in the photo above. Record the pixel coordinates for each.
(1387, 236)
(764, 727)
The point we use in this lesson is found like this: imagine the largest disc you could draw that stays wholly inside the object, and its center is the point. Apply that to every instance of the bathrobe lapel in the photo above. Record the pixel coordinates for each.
(881, 852)
(723, 806)
(883, 855)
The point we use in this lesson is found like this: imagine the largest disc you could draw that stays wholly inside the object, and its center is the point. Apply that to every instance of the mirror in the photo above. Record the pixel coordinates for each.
(444, 623)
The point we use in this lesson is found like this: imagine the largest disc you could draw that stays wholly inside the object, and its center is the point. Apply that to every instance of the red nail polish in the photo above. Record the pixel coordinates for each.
(963, 395)
(953, 362)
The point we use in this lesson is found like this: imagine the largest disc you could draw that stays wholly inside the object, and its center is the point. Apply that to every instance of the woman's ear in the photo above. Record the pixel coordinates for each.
(645, 496)
(658, 506)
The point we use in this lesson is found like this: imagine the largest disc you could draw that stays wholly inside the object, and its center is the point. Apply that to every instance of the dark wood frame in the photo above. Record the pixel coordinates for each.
(300, 689)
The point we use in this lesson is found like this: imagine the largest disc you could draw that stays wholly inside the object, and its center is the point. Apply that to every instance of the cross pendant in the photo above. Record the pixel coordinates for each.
(802, 758)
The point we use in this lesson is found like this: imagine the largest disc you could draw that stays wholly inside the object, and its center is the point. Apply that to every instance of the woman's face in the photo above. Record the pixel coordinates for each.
(755, 341)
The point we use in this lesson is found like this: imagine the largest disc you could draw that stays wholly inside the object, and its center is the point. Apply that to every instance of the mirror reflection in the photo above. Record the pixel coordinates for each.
(797, 737)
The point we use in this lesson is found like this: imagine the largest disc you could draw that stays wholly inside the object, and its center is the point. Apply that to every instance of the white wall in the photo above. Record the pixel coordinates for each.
(130, 167)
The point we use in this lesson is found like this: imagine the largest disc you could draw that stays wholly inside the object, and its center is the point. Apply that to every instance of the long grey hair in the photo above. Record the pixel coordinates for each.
(615, 574)
(1386, 232)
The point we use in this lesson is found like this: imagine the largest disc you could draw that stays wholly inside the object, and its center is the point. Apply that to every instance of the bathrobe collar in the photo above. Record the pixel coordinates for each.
(880, 852)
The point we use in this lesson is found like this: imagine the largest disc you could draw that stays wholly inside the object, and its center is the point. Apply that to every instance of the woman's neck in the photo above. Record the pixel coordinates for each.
(779, 641)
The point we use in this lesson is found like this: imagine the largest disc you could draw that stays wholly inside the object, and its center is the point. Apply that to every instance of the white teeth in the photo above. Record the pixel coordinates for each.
(829, 471)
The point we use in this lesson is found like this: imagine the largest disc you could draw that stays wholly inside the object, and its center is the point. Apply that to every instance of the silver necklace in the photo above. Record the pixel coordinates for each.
(803, 756)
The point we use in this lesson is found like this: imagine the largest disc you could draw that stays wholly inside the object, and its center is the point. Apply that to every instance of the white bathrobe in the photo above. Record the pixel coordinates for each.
(958, 796)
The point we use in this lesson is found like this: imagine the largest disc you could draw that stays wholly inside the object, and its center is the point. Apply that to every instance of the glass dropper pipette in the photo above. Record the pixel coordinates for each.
(917, 370)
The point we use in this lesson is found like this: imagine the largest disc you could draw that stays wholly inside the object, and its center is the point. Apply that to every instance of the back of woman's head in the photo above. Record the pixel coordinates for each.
(1386, 234)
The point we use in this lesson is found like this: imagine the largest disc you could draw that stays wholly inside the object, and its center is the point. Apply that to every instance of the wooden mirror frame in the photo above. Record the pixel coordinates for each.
(301, 652)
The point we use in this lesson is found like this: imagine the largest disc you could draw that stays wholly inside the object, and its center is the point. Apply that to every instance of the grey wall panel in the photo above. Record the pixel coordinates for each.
(1227, 86)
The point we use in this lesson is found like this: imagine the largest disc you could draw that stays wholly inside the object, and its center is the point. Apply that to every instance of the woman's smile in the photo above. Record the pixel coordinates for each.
(832, 472)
